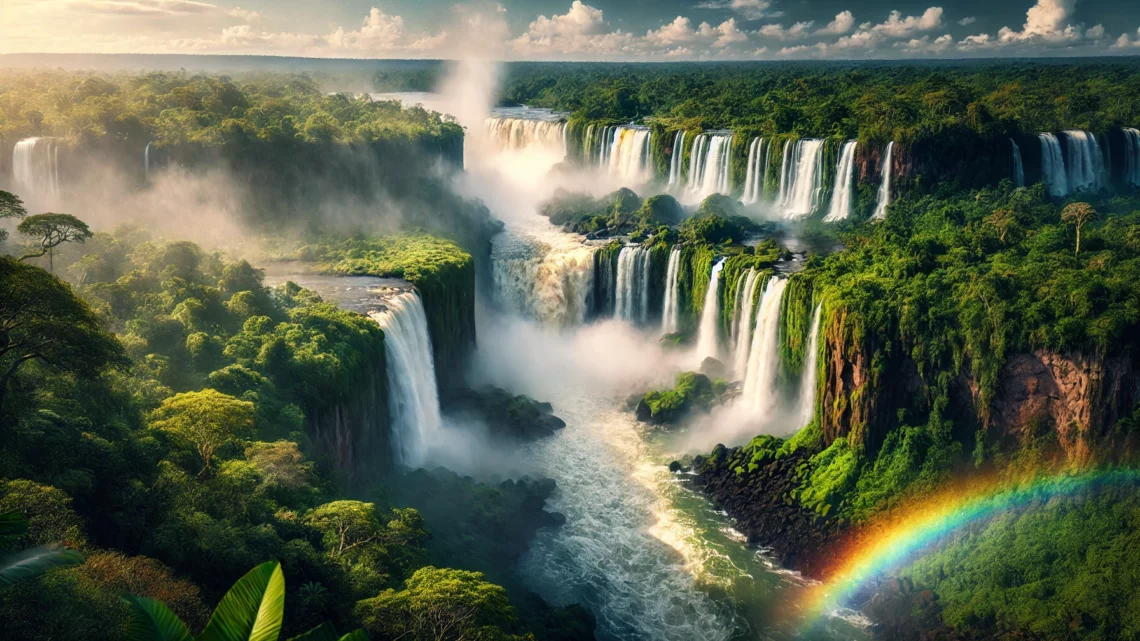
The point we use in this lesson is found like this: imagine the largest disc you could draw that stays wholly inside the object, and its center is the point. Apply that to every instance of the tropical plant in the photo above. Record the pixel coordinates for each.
(1077, 215)
(53, 230)
(32, 562)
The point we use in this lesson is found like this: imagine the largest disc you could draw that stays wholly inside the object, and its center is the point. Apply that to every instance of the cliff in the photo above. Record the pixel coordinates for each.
(353, 433)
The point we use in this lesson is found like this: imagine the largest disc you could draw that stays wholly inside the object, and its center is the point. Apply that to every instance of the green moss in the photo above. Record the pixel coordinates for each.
(693, 392)
(796, 309)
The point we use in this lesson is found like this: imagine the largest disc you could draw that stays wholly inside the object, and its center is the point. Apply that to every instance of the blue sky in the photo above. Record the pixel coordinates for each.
(577, 29)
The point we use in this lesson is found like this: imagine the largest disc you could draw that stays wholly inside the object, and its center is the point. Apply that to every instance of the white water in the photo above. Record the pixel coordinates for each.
(755, 172)
(810, 375)
(1018, 166)
(746, 310)
(709, 166)
(542, 273)
(1053, 165)
(844, 184)
(632, 303)
(35, 168)
(413, 396)
(526, 134)
(708, 345)
(760, 395)
(671, 309)
(677, 158)
(1085, 162)
(801, 177)
(1132, 156)
(885, 187)
(623, 152)
(146, 160)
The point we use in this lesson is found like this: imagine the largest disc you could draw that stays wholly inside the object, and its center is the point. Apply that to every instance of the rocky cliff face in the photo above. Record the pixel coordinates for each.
(354, 434)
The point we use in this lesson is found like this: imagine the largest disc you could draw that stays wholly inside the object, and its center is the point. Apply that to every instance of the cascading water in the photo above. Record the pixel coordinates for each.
(810, 374)
(844, 184)
(146, 160)
(545, 274)
(760, 394)
(1018, 167)
(885, 187)
(413, 397)
(1053, 165)
(755, 172)
(671, 311)
(708, 345)
(746, 309)
(623, 152)
(1132, 156)
(801, 179)
(632, 303)
(709, 165)
(1085, 161)
(677, 158)
(525, 133)
(35, 168)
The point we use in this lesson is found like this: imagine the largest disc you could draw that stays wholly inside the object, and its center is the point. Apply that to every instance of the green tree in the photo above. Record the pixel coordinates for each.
(42, 320)
(1004, 220)
(440, 605)
(53, 230)
(1077, 215)
(205, 420)
(10, 207)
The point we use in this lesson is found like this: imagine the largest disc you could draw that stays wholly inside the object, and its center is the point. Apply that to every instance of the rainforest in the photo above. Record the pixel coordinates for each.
(457, 351)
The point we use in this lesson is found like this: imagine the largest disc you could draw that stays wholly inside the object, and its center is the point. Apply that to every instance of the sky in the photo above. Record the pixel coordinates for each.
(649, 30)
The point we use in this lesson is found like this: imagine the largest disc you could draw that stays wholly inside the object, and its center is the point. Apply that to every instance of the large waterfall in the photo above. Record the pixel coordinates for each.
(809, 376)
(1085, 163)
(677, 158)
(756, 172)
(632, 302)
(709, 165)
(708, 345)
(844, 184)
(1132, 156)
(526, 133)
(760, 394)
(801, 178)
(1018, 166)
(1053, 165)
(35, 168)
(413, 397)
(544, 274)
(742, 327)
(622, 151)
(885, 187)
(146, 160)
(671, 310)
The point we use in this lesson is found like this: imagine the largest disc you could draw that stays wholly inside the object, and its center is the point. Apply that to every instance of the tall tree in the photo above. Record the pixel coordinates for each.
(53, 230)
(204, 420)
(1077, 215)
(10, 207)
(41, 319)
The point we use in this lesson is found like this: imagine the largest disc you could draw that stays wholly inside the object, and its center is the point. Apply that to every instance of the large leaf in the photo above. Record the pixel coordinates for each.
(356, 635)
(253, 608)
(323, 632)
(12, 523)
(151, 620)
(33, 562)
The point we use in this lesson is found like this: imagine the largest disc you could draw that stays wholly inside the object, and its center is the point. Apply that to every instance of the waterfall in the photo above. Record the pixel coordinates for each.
(844, 184)
(742, 339)
(801, 180)
(677, 158)
(709, 165)
(707, 343)
(412, 395)
(885, 187)
(760, 392)
(517, 134)
(1053, 165)
(1018, 167)
(549, 277)
(1132, 156)
(755, 172)
(671, 312)
(809, 376)
(632, 302)
(1085, 161)
(146, 160)
(624, 152)
(35, 167)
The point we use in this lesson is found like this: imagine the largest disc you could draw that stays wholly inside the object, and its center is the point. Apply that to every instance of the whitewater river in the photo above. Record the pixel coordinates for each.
(652, 559)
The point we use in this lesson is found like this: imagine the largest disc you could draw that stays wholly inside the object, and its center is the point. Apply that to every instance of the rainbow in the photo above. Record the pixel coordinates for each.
(889, 544)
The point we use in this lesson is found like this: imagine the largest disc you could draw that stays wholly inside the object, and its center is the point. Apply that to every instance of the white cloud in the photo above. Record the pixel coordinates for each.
(897, 26)
(967, 21)
(581, 19)
(681, 31)
(795, 32)
(750, 9)
(1045, 21)
(1124, 42)
(925, 45)
(1095, 33)
(842, 24)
